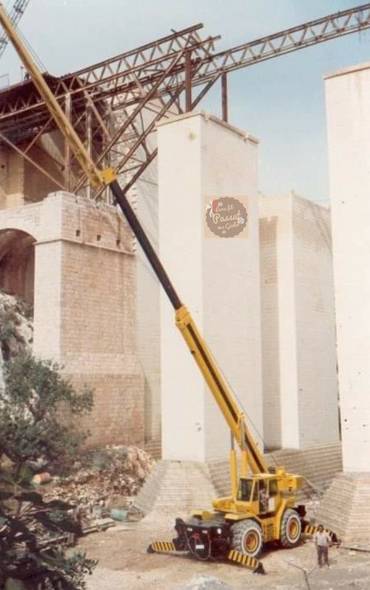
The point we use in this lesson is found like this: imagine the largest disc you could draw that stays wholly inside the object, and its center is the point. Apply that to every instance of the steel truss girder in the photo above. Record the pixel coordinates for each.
(113, 76)
(153, 77)
(117, 75)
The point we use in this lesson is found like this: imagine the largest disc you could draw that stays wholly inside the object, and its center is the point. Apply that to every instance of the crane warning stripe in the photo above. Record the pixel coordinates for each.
(163, 547)
(244, 560)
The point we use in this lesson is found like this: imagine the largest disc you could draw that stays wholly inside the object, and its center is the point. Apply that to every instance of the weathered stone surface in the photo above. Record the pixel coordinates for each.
(175, 488)
(348, 124)
(345, 509)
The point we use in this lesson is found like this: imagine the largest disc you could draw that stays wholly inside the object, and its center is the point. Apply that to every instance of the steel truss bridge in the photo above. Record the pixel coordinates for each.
(115, 105)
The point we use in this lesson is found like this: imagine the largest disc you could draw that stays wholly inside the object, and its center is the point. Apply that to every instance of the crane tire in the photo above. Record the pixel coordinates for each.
(290, 529)
(247, 537)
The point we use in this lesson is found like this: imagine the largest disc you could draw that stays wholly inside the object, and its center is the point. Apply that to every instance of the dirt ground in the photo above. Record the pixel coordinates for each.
(124, 564)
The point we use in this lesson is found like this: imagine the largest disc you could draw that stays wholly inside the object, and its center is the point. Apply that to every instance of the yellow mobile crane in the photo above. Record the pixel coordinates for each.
(262, 505)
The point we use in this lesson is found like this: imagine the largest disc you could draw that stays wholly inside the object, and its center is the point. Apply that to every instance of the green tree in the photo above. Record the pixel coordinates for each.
(34, 400)
(33, 433)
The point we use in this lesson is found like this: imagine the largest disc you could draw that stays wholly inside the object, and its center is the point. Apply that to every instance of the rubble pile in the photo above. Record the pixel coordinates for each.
(103, 479)
(16, 329)
(16, 326)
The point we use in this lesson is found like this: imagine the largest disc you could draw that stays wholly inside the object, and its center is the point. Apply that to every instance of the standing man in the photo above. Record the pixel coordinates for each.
(322, 542)
(263, 498)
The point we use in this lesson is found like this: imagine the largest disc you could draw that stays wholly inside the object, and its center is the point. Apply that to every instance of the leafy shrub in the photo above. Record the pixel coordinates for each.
(32, 434)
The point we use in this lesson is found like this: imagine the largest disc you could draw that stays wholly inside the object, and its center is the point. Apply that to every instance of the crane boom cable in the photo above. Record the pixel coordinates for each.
(32, 51)
(247, 416)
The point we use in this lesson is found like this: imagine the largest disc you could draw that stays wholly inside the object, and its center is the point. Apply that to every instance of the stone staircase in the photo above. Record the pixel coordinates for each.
(176, 487)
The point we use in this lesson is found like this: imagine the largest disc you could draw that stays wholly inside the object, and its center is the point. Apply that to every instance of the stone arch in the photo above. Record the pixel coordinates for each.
(17, 263)
(27, 219)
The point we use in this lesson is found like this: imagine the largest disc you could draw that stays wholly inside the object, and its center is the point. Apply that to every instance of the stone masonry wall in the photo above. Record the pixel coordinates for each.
(97, 339)
(84, 306)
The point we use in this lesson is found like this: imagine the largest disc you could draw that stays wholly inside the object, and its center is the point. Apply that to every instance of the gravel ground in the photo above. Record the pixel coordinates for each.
(124, 564)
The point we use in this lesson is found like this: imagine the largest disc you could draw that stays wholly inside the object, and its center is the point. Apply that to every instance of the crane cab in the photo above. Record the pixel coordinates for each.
(261, 493)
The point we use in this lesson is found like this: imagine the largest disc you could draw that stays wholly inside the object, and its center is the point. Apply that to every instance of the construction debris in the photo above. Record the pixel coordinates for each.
(119, 514)
(41, 478)
(16, 329)
(16, 326)
(109, 480)
(101, 483)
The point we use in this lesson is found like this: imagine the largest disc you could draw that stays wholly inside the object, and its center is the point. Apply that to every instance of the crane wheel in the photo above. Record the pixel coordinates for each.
(290, 529)
(247, 537)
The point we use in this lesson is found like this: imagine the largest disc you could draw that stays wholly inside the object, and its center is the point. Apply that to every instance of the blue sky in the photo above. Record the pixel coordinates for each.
(280, 101)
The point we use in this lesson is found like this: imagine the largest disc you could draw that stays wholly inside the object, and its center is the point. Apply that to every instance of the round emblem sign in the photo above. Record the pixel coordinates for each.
(226, 217)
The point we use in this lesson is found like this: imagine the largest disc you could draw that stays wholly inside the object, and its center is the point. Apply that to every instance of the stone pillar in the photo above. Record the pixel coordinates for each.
(85, 311)
(300, 390)
(348, 112)
(207, 168)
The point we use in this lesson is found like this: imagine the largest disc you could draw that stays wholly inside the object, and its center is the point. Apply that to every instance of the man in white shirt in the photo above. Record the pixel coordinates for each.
(322, 542)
